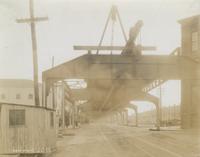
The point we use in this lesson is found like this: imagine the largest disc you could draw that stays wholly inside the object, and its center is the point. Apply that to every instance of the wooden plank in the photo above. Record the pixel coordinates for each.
(109, 48)
(102, 48)
(29, 20)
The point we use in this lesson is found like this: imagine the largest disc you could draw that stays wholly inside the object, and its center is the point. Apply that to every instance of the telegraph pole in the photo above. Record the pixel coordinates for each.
(53, 87)
(32, 21)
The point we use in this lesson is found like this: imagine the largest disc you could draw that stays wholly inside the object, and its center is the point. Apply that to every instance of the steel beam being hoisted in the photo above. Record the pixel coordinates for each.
(130, 48)
(108, 48)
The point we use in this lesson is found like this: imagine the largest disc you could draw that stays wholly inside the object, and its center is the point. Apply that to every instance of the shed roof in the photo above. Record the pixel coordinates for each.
(16, 83)
(189, 19)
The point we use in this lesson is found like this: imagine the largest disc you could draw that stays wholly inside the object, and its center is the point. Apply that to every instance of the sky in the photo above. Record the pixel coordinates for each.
(170, 96)
(81, 22)
(75, 22)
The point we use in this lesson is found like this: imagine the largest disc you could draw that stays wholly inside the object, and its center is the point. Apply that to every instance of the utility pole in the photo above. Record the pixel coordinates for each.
(32, 21)
(52, 62)
(160, 101)
(174, 111)
(53, 88)
(63, 106)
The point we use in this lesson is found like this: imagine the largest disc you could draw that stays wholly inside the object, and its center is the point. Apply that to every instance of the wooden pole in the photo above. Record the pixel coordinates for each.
(35, 58)
(32, 21)
(53, 88)
(63, 106)
(52, 62)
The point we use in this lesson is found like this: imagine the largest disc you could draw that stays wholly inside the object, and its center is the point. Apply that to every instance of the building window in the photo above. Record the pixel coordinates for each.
(18, 96)
(3, 96)
(30, 96)
(194, 41)
(51, 119)
(16, 117)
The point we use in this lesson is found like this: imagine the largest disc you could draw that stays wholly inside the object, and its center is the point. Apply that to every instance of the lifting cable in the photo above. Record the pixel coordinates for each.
(113, 15)
(112, 30)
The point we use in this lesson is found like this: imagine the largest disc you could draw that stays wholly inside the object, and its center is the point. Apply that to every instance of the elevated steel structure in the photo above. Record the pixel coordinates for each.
(114, 80)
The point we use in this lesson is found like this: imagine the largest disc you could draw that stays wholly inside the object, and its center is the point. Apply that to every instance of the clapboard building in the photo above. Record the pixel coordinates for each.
(18, 91)
(24, 127)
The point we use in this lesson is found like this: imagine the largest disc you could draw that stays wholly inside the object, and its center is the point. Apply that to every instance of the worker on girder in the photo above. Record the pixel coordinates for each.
(131, 48)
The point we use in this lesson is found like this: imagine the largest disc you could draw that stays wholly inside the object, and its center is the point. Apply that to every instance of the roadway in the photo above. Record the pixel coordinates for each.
(106, 140)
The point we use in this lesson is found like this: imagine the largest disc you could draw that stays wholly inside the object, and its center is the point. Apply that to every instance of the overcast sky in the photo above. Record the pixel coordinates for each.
(81, 23)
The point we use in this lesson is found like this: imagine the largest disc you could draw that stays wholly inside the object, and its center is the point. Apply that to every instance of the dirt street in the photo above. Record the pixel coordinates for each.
(105, 140)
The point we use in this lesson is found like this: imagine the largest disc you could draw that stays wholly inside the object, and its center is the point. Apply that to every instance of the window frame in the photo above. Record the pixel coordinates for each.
(18, 96)
(30, 96)
(52, 120)
(195, 41)
(14, 121)
(3, 96)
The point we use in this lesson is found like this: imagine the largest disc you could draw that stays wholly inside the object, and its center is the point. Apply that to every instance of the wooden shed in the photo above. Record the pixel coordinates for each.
(26, 129)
